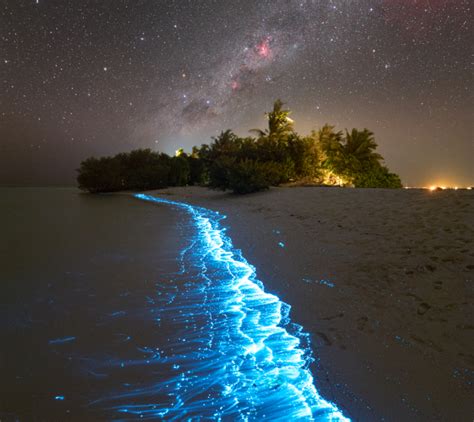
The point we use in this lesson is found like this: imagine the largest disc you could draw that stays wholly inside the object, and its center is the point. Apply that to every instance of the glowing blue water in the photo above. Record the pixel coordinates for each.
(232, 354)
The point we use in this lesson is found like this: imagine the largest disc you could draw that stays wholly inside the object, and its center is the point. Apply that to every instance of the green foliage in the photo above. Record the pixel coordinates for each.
(180, 171)
(101, 175)
(197, 171)
(137, 170)
(234, 162)
(143, 169)
(249, 176)
(279, 122)
(243, 165)
(329, 145)
(352, 158)
(303, 153)
(377, 177)
(219, 172)
(359, 151)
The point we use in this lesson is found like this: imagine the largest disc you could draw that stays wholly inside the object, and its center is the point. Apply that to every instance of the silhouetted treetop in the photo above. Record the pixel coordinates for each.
(277, 155)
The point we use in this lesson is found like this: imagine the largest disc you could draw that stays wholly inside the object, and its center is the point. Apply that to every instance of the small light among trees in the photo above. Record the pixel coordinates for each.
(273, 156)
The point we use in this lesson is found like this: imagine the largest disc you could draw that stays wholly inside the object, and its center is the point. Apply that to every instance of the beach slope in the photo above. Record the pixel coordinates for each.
(381, 279)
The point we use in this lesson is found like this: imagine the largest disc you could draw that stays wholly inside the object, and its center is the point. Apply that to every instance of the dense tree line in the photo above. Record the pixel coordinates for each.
(272, 157)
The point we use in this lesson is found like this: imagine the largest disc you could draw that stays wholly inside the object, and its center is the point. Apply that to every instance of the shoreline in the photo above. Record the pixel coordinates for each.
(380, 279)
(261, 331)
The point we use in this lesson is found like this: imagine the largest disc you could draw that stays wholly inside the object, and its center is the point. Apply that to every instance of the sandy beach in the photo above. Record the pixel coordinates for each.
(383, 280)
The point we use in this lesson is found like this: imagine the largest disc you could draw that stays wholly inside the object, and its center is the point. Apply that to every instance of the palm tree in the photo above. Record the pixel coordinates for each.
(280, 125)
(330, 146)
(227, 142)
(343, 158)
(359, 150)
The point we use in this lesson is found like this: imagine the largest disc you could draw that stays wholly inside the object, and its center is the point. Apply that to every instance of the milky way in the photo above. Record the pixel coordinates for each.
(80, 78)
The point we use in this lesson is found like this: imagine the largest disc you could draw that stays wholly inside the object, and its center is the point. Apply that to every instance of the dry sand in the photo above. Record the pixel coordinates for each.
(383, 282)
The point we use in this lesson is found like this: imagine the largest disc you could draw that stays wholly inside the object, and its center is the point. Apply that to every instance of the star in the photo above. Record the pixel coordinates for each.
(192, 71)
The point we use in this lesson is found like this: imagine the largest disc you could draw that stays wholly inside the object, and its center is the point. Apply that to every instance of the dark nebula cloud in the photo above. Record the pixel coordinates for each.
(82, 77)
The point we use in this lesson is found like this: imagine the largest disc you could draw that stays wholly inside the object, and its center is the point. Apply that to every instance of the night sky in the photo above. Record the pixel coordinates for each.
(82, 77)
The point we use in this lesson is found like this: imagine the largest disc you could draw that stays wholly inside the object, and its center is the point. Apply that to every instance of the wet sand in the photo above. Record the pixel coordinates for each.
(383, 282)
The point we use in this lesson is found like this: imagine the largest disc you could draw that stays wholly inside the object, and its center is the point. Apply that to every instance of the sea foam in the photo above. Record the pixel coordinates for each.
(233, 353)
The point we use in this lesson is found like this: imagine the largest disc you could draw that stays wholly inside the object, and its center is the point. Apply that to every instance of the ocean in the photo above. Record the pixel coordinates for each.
(131, 307)
(75, 272)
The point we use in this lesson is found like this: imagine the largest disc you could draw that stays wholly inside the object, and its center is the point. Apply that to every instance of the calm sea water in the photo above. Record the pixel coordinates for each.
(76, 273)
(122, 308)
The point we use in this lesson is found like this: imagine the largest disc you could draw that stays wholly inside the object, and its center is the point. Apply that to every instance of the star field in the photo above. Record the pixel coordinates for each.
(81, 78)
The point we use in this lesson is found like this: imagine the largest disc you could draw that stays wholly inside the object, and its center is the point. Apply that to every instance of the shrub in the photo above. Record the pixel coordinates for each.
(101, 175)
(144, 169)
(249, 176)
(137, 170)
(377, 177)
(197, 171)
(179, 172)
(278, 155)
(219, 172)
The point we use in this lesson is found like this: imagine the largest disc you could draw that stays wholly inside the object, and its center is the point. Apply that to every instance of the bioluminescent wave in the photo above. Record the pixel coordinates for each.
(230, 353)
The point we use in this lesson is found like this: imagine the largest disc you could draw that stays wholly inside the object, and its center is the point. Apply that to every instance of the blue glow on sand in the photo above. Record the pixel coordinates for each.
(322, 282)
(62, 340)
(231, 351)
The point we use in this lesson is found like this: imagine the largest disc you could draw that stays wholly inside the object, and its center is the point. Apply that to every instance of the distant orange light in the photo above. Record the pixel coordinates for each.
(432, 188)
